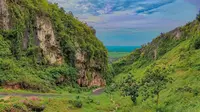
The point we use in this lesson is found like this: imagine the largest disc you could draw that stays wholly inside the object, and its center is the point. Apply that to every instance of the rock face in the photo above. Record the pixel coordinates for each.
(47, 41)
(176, 33)
(88, 70)
(89, 75)
(4, 15)
(40, 33)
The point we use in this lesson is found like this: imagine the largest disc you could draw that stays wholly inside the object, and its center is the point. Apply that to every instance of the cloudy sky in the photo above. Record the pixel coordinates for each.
(131, 22)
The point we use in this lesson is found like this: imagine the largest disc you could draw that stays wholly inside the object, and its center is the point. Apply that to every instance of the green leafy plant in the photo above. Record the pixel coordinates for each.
(155, 80)
(130, 88)
(198, 16)
(197, 43)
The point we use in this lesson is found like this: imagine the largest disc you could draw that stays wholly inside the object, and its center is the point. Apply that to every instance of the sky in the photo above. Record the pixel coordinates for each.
(131, 22)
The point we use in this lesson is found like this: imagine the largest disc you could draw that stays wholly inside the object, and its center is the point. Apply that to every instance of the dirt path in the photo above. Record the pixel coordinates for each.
(28, 95)
(98, 91)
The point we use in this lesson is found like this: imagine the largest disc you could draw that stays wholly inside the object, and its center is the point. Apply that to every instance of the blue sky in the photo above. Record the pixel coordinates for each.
(131, 22)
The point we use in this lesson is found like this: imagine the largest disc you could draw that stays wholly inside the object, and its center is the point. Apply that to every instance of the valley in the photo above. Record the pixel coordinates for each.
(50, 61)
(116, 52)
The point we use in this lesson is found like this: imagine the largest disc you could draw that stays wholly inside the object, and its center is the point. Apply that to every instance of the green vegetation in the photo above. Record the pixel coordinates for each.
(162, 76)
(154, 82)
(198, 16)
(167, 71)
(117, 54)
(130, 88)
(197, 43)
(22, 61)
(113, 56)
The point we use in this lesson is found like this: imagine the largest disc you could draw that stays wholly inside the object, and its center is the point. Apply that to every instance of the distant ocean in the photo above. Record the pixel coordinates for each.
(121, 48)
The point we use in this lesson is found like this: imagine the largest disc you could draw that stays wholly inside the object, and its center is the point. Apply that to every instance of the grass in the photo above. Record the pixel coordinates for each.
(117, 54)
(175, 98)
(183, 94)
(91, 103)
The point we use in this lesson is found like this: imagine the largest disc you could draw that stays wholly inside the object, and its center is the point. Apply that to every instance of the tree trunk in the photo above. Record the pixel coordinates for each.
(157, 101)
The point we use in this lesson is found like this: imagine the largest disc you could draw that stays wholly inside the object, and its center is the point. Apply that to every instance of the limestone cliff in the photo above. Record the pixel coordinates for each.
(4, 15)
(89, 75)
(47, 41)
(51, 35)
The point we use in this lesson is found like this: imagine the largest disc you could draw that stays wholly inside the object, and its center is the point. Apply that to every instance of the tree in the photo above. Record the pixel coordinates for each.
(93, 30)
(71, 13)
(4, 47)
(110, 89)
(198, 16)
(197, 43)
(130, 88)
(154, 82)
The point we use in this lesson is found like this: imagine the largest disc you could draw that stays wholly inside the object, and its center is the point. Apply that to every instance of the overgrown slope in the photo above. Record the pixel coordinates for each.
(178, 49)
(42, 47)
(155, 50)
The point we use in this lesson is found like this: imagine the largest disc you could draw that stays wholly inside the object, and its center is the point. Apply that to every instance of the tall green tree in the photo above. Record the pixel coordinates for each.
(155, 81)
(198, 16)
(130, 88)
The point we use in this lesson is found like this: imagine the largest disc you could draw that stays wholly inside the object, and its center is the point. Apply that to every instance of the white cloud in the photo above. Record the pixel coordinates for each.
(131, 15)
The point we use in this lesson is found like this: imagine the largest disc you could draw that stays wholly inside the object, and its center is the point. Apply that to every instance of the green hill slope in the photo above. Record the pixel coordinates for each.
(178, 49)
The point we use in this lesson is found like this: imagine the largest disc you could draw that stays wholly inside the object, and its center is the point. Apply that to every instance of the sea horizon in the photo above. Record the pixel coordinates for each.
(121, 48)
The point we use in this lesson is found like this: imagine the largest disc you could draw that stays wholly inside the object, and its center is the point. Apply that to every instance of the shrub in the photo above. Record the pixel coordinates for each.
(76, 103)
(197, 43)
(89, 100)
(63, 75)
(4, 47)
(130, 88)
(155, 80)
(111, 88)
(198, 16)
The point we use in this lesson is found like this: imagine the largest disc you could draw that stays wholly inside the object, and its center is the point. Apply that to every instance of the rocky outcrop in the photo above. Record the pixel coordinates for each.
(4, 15)
(176, 33)
(47, 41)
(155, 54)
(97, 80)
(89, 73)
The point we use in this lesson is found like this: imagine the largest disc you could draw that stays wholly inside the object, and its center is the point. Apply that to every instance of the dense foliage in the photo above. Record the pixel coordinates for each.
(197, 43)
(172, 55)
(130, 87)
(25, 66)
(154, 81)
(198, 16)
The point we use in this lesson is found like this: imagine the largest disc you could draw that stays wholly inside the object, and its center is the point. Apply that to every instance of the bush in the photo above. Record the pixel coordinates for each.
(4, 47)
(198, 16)
(89, 100)
(130, 88)
(197, 43)
(63, 75)
(76, 103)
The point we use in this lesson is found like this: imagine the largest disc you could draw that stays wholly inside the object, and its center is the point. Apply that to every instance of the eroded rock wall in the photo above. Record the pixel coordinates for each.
(4, 15)
(88, 71)
(43, 36)
(47, 41)
(176, 33)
